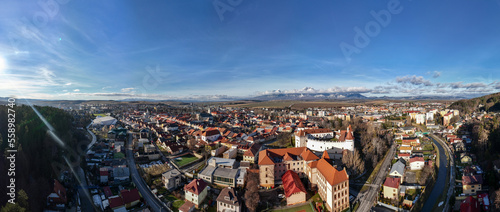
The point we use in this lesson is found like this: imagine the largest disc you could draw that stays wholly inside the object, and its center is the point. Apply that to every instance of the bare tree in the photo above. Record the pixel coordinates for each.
(252, 197)
(497, 199)
(353, 162)
(191, 143)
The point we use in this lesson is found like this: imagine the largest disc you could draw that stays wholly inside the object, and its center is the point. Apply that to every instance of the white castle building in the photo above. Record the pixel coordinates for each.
(325, 139)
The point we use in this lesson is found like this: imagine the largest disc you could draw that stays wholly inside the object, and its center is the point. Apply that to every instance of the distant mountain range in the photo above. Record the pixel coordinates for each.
(306, 96)
(309, 96)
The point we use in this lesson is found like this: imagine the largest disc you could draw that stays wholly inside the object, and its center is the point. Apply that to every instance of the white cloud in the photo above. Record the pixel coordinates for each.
(126, 90)
(336, 89)
(436, 74)
(68, 84)
(76, 90)
(413, 80)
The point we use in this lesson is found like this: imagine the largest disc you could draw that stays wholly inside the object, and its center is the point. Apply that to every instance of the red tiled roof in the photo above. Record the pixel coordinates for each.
(107, 191)
(330, 173)
(292, 183)
(312, 131)
(211, 132)
(60, 191)
(196, 186)
(130, 195)
(392, 182)
(266, 155)
(416, 159)
(115, 202)
(470, 204)
(472, 180)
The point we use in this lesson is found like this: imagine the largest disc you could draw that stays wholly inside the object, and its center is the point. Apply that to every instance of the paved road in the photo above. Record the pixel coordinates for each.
(94, 139)
(151, 200)
(85, 198)
(368, 198)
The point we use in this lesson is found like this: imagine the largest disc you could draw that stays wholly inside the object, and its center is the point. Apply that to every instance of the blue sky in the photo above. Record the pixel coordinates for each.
(73, 49)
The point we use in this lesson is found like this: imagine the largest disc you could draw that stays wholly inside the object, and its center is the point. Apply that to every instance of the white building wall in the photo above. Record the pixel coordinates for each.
(319, 145)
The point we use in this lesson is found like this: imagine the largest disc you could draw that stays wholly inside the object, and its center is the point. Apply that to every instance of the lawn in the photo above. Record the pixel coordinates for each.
(306, 208)
(118, 155)
(177, 204)
(185, 160)
(100, 114)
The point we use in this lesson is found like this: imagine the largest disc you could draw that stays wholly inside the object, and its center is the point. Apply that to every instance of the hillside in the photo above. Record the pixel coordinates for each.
(38, 154)
(488, 103)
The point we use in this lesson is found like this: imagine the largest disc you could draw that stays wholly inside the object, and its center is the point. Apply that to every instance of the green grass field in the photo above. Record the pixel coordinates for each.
(100, 114)
(185, 160)
(118, 155)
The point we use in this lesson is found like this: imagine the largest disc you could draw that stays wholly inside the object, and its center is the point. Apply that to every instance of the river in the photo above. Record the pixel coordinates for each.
(441, 180)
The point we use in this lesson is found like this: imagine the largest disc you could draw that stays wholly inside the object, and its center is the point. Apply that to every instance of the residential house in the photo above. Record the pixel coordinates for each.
(471, 184)
(57, 199)
(405, 149)
(295, 192)
(103, 175)
(465, 158)
(417, 163)
(230, 154)
(196, 191)
(121, 174)
(229, 200)
(174, 148)
(398, 170)
(470, 204)
(252, 152)
(210, 135)
(171, 179)
(391, 187)
(130, 197)
(116, 203)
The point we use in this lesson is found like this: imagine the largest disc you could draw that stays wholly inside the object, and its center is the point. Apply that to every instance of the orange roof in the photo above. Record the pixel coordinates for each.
(292, 183)
(287, 156)
(266, 155)
(330, 173)
(308, 155)
(313, 164)
(325, 155)
(405, 148)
